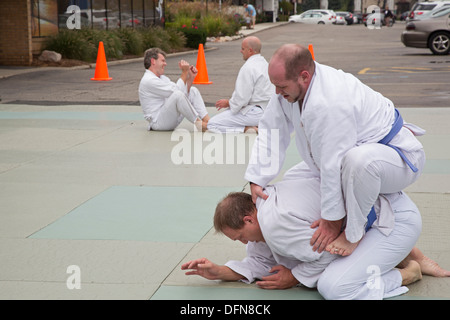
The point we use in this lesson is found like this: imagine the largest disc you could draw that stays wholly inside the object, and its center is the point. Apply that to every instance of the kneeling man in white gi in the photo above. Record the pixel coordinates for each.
(165, 103)
(348, 135)
(251, 95)
(277, 232)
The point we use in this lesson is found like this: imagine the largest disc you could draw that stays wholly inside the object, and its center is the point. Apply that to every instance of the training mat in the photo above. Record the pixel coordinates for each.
(246, 292)
(167, 214)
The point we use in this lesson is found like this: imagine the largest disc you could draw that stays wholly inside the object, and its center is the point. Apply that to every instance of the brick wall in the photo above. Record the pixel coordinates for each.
(15, 33)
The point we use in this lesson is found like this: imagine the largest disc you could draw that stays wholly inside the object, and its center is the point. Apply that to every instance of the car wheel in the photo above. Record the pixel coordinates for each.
(439, 43)
(320, 22)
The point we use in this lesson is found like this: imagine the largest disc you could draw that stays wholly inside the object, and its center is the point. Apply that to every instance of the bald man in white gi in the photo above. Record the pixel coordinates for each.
(251, 95)
(277, 232)
(165, 103)
(346, 133)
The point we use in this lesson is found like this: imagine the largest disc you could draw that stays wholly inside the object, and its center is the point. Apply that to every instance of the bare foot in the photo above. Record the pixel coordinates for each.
(251, 130)
(341, 246)
(427, 265)
(201, 125)
(411, 273)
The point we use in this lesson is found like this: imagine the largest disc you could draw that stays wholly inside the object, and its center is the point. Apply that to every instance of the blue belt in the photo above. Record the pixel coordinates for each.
(396, 127)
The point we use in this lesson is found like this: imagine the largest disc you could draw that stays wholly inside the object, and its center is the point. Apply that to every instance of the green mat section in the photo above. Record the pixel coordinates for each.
(71, 115)
(165, 214)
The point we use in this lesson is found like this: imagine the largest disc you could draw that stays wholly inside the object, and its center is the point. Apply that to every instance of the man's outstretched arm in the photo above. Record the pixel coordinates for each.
(211, 271)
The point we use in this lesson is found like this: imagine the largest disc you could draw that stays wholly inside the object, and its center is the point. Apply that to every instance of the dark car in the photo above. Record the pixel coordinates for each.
(348, 16)
(432, 33)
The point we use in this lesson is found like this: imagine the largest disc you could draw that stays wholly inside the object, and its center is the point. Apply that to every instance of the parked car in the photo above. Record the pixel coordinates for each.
(432, 33)
(310, 18)
(357, 18)
(404, 15)
(340, 18)
(422, 10)
(329, 14)
(348, 17)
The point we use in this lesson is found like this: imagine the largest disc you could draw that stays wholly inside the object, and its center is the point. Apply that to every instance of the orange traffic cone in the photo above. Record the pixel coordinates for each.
(202, 75)
(101, 69)
(310, 48)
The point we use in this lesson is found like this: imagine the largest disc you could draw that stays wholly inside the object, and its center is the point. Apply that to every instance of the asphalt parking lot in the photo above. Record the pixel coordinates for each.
(93, 205)
(409, 76)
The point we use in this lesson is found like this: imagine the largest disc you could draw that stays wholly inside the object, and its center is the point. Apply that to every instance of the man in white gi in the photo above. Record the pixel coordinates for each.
(165, 103)
(341, 127)
(251, 95)
(277, 233)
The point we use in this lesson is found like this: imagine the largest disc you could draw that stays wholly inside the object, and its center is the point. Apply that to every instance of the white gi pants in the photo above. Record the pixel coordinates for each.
(367, 171)
(369, 272)
(226, 121)
(179, 106)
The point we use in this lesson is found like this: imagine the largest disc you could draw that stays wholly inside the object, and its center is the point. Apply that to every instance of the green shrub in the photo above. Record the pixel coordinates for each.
(72, 45)
(194, 36)
(111, 42)
(177, 40)
(184, 16)
(155, 37)
(131, 40)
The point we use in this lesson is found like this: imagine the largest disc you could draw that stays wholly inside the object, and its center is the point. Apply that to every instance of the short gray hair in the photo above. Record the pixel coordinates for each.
(152, 53)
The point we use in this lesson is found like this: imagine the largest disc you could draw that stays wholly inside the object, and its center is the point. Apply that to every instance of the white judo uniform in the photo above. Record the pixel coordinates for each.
(165, 103)
(251, 95)
(285, 220)
(336, 133)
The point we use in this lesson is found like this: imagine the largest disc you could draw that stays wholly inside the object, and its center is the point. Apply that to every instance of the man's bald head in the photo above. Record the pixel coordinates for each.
(294, 58)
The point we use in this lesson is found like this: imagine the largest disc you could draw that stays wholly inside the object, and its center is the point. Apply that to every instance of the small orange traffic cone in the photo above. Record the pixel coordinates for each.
(101, 69)
(202, 75)
(310, 48)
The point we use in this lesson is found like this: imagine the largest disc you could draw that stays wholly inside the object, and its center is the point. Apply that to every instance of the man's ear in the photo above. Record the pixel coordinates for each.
(251, 218)
(248, 219)
(305, 76)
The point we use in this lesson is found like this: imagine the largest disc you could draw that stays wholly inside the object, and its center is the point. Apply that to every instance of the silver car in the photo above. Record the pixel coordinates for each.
(422, 10)
(432, 33)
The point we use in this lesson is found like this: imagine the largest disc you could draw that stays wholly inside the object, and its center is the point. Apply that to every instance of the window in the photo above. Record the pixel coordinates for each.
(49, 16)
(44, 18)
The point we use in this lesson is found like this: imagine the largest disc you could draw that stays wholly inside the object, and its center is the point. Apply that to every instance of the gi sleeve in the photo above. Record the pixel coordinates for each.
(256, 265)
(269, 148)
(332, 132)
(162, 87)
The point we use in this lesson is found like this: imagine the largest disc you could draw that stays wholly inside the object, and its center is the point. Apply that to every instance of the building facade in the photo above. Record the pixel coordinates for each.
(24, 24)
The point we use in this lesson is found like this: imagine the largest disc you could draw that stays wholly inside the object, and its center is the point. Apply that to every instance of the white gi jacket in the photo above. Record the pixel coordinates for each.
(285, 220)
(154, 91)
(338, 113)
(253, 86)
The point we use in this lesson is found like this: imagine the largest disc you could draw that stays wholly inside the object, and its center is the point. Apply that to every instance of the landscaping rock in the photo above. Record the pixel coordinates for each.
(50, 56)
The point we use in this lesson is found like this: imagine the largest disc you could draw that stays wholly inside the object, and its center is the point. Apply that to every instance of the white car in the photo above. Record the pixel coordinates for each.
(340, 18)
(310, 18)
(329, 14)
(423, 10)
